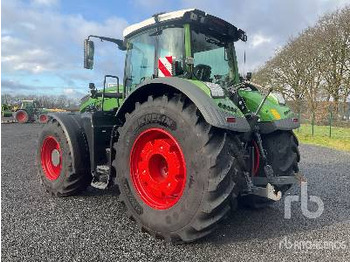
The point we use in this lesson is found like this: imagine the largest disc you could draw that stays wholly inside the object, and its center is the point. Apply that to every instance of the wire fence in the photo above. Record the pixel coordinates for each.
(326, 120)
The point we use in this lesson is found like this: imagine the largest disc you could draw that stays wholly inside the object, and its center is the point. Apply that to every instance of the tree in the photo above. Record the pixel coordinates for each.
(315, 65)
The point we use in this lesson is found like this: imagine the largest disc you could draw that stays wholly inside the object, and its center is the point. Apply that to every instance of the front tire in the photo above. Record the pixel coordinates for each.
(43, 118)
(283, 155)
(60, 174)
(199, 163)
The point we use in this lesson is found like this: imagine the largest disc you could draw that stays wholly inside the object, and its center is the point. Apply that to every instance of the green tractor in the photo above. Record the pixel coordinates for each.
(6, 110)
(184, 138)
(30, 111)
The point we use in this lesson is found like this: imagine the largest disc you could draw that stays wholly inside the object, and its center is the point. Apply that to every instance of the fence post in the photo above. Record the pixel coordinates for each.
(330, 121)
(313, 123)
(299, 115)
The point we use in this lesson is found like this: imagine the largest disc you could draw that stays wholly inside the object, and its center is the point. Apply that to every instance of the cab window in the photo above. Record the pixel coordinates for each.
(142, 56)
(140, 60)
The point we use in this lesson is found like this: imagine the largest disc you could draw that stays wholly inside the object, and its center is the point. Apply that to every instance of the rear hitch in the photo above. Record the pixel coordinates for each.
(266, 187)
(279, 180)
(269, 192)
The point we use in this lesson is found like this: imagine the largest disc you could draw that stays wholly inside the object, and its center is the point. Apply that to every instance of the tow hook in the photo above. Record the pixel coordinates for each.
(267, 192)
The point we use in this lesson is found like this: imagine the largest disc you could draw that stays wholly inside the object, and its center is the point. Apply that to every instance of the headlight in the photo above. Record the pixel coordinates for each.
(216, 90)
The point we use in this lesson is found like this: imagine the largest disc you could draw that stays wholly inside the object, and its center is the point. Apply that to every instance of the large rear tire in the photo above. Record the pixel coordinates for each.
(283, 155)
(62, 168)
(176, 173)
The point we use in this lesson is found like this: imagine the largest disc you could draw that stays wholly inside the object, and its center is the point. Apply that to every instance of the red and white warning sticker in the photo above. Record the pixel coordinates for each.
(165, 66)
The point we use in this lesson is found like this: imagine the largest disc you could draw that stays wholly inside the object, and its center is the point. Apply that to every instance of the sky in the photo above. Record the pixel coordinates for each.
(42, 40)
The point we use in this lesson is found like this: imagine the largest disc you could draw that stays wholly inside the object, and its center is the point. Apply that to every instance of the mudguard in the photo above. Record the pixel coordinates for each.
(212, 114)
(273, 116)
(72, 126)
(283, 124)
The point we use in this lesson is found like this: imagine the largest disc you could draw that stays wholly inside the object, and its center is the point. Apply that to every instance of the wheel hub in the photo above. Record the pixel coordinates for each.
(158, 168)
(51, 158)
(43, 118)
(55, 157)
(20, 117)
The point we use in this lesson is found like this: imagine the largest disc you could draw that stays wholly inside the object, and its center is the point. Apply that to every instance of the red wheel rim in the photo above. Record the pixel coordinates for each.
(43, 118)
(51, 158)
(256, 158)
(21, 117)
(158, 168)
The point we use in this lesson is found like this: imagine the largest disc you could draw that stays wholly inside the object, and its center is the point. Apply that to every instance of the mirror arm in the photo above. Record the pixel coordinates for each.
(109, 95)
(118, 42)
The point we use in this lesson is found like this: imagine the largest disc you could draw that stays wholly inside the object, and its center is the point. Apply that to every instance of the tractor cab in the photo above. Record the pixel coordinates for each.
(187, 44)
(29, 104)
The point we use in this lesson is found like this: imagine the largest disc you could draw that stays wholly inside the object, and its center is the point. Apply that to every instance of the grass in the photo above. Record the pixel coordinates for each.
(340, 139)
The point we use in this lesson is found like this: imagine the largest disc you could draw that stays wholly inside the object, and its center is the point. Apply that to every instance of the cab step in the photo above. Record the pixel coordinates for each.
(101, 177)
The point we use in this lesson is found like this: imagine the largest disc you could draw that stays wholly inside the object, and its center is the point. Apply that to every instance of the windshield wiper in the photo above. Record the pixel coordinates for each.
(214, 41)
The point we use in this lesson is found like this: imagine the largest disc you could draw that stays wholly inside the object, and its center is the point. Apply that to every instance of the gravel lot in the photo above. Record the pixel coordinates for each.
(94, 227)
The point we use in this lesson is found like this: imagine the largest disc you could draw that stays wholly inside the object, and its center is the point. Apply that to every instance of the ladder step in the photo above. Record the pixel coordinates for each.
(101, 177)
(99, 185)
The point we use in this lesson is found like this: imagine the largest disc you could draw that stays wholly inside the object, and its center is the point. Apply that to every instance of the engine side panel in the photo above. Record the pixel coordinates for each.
(273, 116)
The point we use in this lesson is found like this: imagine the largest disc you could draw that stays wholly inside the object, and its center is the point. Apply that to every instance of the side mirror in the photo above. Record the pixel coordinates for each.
(249, 76)
(93, 90)
(88, 54)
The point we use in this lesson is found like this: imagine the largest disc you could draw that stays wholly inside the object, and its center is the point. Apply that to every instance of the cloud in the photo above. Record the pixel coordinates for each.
(15, 87)
(260, 39)
(73, 93)
(18, 55)
(11, 86)
(269, 24)
(68, 91)
(39, 40)
(45, 2)
(151, 4)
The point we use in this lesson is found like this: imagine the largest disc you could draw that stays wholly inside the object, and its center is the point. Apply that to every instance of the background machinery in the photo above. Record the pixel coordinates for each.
(30, 111)
(6, 110)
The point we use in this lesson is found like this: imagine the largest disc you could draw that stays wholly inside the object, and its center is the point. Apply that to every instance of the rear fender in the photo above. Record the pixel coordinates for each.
(72, 126)
(212, 114)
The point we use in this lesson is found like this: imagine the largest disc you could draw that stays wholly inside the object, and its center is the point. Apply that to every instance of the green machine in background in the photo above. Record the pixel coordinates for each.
(30, 111)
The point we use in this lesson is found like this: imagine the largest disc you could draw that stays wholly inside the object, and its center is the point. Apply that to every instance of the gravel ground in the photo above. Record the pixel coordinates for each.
(94, 227)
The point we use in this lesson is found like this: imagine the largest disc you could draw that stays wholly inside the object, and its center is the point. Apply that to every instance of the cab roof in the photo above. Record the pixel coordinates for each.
(162, 17)
(193, 16)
